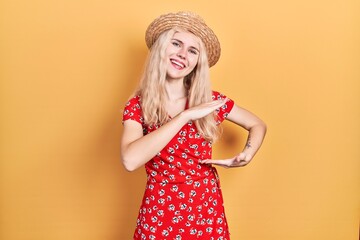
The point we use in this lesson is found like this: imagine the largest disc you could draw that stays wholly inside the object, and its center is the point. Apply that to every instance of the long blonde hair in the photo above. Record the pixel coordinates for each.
(197, 83)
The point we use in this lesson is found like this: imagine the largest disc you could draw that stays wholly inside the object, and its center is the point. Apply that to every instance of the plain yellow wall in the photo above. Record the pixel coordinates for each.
(67, 68)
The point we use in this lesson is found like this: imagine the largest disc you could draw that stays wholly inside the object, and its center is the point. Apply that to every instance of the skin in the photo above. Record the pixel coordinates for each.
(182, 55)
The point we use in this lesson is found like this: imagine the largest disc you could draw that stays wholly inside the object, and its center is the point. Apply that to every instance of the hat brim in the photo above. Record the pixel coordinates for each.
(190, 22)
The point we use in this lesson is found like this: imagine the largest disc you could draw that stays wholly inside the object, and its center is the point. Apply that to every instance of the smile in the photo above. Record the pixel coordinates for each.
(177, 64)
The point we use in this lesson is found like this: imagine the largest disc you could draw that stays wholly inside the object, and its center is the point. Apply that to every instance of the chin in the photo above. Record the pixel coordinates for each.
(175, 76)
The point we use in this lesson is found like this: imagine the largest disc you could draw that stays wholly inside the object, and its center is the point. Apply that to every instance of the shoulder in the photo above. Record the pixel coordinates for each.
(133, 110)
(225, 109)
(134, 100)
(133, 103)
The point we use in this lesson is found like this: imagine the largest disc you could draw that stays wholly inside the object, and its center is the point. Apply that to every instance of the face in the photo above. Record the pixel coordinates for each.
(182, 54)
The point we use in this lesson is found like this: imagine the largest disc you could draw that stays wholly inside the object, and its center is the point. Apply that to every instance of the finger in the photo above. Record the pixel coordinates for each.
(217, 161)
(221, 102)
(211, 106)
(245, 157)
(240, 160)
(217, 102)
(241, 156)
(244, 163)
(222, 164)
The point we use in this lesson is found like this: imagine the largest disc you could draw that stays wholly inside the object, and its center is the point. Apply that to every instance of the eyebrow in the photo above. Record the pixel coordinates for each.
(183, 43)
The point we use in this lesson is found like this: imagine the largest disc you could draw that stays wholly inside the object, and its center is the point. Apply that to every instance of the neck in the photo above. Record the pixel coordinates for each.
(175, 89)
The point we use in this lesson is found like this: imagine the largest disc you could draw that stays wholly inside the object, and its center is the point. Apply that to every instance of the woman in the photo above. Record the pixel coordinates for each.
(169, 126)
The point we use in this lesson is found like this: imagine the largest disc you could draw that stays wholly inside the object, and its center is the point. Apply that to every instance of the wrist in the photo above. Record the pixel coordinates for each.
(183, 117)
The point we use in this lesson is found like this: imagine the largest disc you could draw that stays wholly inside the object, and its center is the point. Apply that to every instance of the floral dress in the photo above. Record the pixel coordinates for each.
(182, 198)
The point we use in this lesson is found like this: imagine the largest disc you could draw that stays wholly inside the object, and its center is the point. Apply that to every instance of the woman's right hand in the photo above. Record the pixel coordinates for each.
(203, 109)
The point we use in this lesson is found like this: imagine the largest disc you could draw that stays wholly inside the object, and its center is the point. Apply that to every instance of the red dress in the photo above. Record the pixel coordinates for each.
(182, 199)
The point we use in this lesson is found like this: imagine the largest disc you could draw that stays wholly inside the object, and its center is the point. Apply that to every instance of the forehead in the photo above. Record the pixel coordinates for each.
(187, 38)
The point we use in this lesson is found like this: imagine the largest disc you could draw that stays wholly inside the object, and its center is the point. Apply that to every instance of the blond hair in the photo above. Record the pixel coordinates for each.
(197, 83)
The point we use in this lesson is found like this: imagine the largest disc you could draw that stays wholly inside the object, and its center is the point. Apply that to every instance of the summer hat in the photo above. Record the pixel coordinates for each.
(188, 21)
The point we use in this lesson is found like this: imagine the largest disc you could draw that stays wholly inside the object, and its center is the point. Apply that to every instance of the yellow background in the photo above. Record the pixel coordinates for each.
(67, 68)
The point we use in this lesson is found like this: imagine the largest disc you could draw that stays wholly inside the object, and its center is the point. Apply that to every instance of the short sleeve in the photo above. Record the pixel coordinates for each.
(225, 109)
(133, 110)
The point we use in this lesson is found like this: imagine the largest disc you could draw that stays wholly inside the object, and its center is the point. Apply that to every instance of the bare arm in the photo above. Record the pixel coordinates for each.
(137, 149)
(257, 130)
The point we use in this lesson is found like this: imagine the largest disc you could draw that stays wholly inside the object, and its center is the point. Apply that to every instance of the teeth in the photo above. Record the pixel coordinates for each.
(178, 63)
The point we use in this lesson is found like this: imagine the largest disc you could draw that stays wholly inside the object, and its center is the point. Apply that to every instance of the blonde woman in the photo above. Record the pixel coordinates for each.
(170, 124)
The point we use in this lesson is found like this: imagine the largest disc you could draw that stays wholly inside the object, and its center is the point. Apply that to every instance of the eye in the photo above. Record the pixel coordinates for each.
(192, 51)
(175, 43)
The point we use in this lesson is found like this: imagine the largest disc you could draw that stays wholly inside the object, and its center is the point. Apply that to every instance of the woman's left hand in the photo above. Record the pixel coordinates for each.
(240, 160)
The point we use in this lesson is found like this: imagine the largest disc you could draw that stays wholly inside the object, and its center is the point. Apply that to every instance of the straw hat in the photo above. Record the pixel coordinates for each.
(190, 22)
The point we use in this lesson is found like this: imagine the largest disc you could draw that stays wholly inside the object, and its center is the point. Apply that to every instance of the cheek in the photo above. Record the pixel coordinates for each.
(170, 49)
(194, 60)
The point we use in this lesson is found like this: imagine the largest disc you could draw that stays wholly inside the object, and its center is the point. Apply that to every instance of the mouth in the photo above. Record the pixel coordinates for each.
(177, 64)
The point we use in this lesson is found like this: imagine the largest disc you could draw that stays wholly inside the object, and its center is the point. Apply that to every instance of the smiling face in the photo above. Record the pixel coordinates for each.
(182, 54)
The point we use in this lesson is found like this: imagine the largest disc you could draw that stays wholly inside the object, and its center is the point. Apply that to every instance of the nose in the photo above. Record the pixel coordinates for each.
(181, 53)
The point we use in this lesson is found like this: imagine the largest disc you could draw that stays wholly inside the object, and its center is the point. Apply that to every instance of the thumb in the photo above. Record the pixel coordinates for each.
(241, 156)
